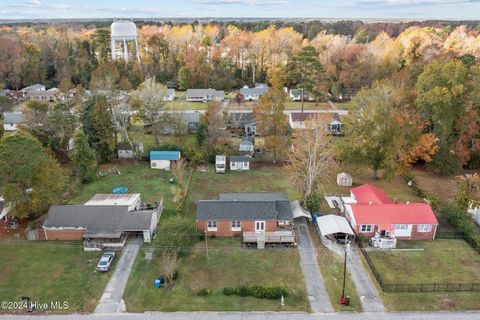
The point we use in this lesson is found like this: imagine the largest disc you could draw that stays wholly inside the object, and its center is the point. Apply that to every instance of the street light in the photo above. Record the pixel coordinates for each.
(345, 300)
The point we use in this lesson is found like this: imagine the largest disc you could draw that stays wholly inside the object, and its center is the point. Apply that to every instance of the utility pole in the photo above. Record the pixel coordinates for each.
(206, 242)
(345, 300)
(302, 99)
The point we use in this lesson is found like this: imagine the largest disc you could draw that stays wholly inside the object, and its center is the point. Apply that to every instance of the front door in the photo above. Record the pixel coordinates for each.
(259, 226)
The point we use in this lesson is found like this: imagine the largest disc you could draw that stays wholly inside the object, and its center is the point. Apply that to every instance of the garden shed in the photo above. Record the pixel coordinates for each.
(344, 179)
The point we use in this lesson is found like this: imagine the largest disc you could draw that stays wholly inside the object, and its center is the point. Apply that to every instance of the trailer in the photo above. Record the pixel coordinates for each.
(220, 163)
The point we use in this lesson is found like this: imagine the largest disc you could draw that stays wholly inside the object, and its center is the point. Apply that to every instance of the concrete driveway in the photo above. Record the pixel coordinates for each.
(317, 294)
(112, 298)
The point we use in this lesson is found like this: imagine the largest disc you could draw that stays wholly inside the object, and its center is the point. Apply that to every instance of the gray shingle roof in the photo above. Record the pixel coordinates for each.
(240, 159)
(254, 91)
(246, 206)
(204, 93)
(12, 117)
(99, 221)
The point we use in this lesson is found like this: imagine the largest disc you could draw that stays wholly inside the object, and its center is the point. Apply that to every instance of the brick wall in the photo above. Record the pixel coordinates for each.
(415, 235)
(224, 227)
(63, 234)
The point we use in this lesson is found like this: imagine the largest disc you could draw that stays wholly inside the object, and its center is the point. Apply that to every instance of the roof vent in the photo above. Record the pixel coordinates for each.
(370, 202)
(395, 200)
(408, 202)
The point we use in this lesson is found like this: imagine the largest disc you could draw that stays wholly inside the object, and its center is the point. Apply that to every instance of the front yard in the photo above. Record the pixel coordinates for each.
(442, 261)
(51, 272)
(228, 264)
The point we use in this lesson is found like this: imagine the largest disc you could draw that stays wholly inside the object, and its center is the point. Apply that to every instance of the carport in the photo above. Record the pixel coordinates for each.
(331, 224)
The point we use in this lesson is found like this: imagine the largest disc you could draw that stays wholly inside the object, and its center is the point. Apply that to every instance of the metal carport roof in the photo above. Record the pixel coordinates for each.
(331, 224)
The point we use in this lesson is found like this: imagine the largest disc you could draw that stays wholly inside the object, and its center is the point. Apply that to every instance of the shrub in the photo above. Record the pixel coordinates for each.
(412, 181)
(461, 220)
(256, 291)
(203, 292)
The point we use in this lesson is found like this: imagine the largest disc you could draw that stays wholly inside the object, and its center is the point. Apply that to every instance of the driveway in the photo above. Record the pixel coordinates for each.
(317, 294)
(111, 300)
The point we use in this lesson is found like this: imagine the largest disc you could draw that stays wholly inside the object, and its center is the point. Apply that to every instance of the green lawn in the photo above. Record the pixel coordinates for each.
(138, 177)
(433, 301)
(228, 264)
(48, 272)
(441, 261)
(331, 266)
(181, 104)
(289, 105)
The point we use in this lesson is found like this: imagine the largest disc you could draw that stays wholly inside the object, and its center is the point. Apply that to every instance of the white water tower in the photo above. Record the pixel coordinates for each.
(124, 40)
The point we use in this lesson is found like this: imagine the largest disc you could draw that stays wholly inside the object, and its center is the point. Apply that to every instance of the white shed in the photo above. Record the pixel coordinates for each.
(344, 179)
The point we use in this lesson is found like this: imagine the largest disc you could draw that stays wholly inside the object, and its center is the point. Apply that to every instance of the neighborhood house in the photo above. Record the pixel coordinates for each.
(11, 120)
(297, 121)
(242, 121)
(105, 221)
(247, 145)
(296, 95)
(204, 95)
(371, 213)
(169, 95)
(43, 95)
(163, 159)
(253, 94)
(240, 163)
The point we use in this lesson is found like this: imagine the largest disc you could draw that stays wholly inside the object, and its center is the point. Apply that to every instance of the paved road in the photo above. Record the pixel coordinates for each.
(262, 316)
(111, 300)
(317, 294)
(341, 112)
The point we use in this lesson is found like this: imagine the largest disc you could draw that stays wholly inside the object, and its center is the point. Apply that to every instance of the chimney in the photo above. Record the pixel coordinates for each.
(395, 200)
(408, 202)
(370, 202)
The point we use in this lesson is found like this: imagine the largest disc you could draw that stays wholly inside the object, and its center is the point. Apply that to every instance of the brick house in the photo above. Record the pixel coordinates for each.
(263, 217)
(371, 213)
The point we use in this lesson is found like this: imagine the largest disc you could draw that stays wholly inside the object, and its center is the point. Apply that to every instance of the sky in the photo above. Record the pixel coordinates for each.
(415, 9)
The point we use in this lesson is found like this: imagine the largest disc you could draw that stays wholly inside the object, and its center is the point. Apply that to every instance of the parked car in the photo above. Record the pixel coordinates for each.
(106, 261)
(341, 238)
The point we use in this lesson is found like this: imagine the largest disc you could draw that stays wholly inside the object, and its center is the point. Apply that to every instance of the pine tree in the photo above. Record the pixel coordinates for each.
(84, 158)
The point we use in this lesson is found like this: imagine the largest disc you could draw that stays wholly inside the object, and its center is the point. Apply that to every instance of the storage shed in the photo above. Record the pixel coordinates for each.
(163, 159)
(344, 179)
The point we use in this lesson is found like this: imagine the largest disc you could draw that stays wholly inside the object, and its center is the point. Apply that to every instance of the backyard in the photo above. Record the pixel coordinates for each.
(51, 272)
(442, 261)
(227, 264)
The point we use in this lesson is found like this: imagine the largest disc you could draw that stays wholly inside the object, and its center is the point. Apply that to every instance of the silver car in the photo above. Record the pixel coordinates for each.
(106, 261)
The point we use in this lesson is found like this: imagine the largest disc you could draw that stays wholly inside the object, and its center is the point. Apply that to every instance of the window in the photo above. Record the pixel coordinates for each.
(366, 228)
(424, 228)
(212, 225)
(259, 226)
(236, 226)
(401, 227)
(245, 164)
(154, 164)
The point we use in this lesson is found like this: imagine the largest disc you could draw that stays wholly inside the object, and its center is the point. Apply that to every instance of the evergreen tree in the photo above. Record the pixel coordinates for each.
(84, 158)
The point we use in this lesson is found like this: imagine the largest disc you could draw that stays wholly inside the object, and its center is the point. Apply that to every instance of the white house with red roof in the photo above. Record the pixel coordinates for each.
(371, 213)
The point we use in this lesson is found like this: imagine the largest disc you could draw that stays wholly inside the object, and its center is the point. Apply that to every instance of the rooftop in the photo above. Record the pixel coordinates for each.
(110, 199)
(367, 193)
(164, 155)
(13, 117)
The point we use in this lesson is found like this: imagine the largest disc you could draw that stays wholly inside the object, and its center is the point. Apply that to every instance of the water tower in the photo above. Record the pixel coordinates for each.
(124, 40)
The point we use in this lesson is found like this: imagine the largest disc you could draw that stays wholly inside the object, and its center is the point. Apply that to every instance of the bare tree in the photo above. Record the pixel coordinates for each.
(169, 260)
(311, 157)
(121, 114)
(178, 172)
(150, 98)
(215, 122)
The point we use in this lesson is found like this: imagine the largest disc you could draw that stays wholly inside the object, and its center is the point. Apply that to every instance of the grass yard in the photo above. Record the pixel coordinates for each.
(51, 272)
(138, 177)
(227, 265)
(331, 266)
(464, 266)
(185, 105)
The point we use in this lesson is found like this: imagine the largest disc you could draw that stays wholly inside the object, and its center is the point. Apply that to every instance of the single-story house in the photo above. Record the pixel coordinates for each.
(242, 120)
(187, 120)
(297, 120)
(163, 159)
(253, 94)
(258, 217)
(11, 120)
(49, 95)
(169, 95)
(247, 144)
(239, 163)
(100, 226)
(4, 218)
(33, 87)
(204, 95)
(371, 213)
(131, 200)
(127, 151)
(296, 95)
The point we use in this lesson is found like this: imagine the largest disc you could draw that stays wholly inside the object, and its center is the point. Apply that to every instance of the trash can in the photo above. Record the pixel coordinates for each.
(158, 283)
(171, 181)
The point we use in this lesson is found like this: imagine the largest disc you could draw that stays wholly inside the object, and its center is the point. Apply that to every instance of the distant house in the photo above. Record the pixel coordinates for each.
(239, 163)
(127, 151)
(33, 87)
(105, 221)
(242, 121)
(253, 94)
(185, 120)
(163, 159)
(11, 120)
(170, 95)
(260, 218)
(371, 213)
(247, 144)
(297, 120)
(204, 95)
(296, 95)
(43, 95)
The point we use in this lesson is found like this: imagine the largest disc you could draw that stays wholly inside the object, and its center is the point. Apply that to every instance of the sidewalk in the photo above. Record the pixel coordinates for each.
(317, 294)
(111, 300)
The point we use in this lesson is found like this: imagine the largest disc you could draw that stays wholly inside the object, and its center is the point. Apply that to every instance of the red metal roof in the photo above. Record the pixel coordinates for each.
(386, 215)
(367, 193)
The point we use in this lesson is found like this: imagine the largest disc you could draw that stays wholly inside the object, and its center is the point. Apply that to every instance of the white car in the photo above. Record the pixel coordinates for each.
(106, 261)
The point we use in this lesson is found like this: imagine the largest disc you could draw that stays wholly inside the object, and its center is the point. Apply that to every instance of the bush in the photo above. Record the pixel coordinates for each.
(203, 292)
(256, 291)
(461, 220)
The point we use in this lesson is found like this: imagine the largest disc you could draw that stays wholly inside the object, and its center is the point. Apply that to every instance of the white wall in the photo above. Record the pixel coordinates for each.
(160, 164)
(403, 233)
(236, 166)
(9, 127)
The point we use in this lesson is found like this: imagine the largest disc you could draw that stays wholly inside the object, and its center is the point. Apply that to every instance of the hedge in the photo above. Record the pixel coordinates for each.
(461, 220)
(256, 291)
(412, 181)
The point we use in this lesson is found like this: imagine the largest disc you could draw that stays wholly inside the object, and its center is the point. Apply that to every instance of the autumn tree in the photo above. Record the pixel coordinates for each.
(169, 261)
(149, 99)
(215, 121)
(311, 159)
(34, 180)
(272, 122)
(84, 158)
(468, 193)
(178, 172)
